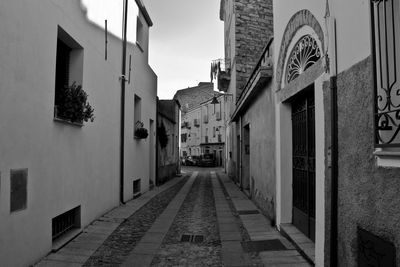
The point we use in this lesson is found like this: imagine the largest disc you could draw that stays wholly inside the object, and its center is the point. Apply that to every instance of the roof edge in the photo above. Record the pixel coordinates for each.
(144, 12)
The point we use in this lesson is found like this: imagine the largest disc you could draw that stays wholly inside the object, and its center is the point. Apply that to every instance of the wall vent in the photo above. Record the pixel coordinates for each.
(66, 222)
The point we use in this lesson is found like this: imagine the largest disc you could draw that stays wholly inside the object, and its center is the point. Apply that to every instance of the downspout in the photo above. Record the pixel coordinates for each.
(334, 159)
(156, 182)
(123, 80)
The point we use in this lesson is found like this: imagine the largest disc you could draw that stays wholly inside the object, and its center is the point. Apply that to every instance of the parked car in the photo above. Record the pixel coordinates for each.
(191, 161)
(207, 160)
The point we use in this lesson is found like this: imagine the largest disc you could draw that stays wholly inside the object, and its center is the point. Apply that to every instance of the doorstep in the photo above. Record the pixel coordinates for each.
(305, 245)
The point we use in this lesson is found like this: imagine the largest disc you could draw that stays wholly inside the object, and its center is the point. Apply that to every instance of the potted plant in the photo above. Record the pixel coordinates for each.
(140, 131)
(73, 105)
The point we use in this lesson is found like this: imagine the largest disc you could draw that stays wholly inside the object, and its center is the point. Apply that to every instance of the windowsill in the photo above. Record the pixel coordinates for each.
(389, 159)
(65, 239)
(67, 122)
(139, 46)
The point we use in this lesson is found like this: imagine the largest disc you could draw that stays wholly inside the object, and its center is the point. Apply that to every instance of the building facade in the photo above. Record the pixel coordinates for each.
(335, 147)
(167, 140)
(56, 174)
(247, 28)
(203, 129)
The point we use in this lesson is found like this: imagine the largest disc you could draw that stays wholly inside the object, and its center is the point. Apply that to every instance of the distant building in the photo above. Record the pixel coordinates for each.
(167, 140)
(57, 176)
(203, 129)
(247, 29)
(192, 96)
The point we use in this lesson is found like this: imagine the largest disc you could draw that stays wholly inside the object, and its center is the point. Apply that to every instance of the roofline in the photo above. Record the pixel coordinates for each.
(143, 9)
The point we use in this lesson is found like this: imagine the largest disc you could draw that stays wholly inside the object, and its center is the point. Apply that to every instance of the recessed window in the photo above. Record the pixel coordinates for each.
(137, 116)
(68, 80)
(18, 192)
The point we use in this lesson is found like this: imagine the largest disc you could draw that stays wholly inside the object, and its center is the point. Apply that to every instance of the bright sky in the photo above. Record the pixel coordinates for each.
(186, 36)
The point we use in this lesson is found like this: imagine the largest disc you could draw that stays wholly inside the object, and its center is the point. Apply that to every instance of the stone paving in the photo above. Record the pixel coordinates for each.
(147, 231)
(143, 254)
(259, 229)
(197, 216)
(79, 250)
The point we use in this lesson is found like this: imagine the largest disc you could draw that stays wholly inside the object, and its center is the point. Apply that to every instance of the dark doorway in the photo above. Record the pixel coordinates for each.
(246, 159)
(303, 135)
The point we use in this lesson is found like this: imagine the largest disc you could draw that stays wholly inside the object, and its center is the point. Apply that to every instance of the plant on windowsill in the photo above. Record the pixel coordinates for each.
(140, 131)
(73, 106)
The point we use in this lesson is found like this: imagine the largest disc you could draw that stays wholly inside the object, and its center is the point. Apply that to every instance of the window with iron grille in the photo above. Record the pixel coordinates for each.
(66, 222)
(385, 19)
(19, 193)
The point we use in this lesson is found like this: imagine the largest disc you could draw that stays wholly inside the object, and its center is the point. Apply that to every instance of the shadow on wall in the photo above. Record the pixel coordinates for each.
(166, 173)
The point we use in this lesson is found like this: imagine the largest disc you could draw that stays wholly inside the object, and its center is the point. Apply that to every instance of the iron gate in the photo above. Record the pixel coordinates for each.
(303, 125)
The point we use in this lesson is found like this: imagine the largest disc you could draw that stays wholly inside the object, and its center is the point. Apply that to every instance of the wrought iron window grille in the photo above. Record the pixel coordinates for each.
(304, 54)
(385, 33)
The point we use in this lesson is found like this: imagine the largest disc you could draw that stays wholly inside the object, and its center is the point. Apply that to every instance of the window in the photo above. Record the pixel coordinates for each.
(137, 116)
(183, 138)
(18, 192)
(385, 19)
(69, 71)
(304, 54)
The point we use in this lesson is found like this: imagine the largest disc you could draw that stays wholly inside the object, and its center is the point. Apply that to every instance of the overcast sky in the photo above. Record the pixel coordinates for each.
(186, 36)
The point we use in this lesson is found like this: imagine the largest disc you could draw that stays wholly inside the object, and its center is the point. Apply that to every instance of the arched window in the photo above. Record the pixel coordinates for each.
(304, 54)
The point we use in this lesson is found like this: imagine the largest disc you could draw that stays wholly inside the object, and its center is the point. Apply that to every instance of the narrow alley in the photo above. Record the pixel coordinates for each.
(198, 219)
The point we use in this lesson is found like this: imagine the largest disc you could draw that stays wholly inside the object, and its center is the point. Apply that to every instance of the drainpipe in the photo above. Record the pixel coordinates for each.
(334, 160)
(156, 141)
(123, 80)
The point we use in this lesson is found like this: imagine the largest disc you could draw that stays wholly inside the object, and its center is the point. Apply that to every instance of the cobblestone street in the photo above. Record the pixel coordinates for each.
(198, 219)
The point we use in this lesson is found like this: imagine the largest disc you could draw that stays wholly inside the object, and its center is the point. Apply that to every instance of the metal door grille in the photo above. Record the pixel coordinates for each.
(303, 123)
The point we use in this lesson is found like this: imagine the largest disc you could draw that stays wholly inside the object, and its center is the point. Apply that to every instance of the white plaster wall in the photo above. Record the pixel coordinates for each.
(353, 31)
(319, 173)
(68, 166)
(144, 85)
(283, 10)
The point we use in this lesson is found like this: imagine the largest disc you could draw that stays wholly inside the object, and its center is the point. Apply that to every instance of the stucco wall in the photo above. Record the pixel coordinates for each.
(368, 195)
(67, 165)
(261, 117)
